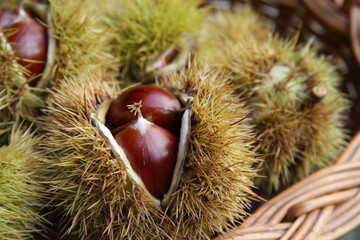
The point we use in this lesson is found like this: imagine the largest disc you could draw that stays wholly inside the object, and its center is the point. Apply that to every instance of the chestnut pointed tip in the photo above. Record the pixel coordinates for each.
(158, 105)
(136, 108)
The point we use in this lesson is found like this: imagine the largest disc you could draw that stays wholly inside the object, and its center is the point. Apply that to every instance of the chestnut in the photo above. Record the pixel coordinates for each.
(29, 40)
(152, 156)
(151, 151)
(158, 106)
(7, 16)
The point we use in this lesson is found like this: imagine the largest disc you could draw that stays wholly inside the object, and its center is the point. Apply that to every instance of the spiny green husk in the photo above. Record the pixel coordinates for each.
(20, 191)
(81, 38)
(89, 186)
(80, 44)
(146, 28)
(80, 164)
(218, 174)
(297, 132)
(18, 100)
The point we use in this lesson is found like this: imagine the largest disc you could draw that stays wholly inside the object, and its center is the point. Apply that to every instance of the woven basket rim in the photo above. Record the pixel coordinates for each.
(324, 205)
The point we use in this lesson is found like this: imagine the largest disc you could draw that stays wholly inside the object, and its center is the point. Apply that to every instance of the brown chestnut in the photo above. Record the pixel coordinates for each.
(152, 153)
(29, 40)
(158, 106)
(7, 16)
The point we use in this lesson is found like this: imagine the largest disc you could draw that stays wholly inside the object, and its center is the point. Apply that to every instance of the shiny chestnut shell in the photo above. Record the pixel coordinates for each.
(152, 153)
(158, 106)
(124, 146)
(29, 40)
(7, 16)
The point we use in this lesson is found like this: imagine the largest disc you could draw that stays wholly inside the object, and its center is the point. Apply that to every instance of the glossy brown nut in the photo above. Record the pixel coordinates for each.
(30, 40)
(152, 153)
(158, 106)
(7, 16)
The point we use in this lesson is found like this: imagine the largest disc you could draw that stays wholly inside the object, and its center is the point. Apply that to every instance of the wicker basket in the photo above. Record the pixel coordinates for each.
(326, 205)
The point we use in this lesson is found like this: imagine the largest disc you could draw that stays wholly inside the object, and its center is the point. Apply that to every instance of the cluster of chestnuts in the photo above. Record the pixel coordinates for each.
(28, 37)
(145, 122)
(143, 163)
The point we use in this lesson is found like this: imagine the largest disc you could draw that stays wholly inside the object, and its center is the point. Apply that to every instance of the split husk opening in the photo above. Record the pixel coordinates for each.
(98, 119)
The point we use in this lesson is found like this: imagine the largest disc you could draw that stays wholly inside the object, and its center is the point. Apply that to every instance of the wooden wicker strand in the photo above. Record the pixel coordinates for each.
(328, 13)
(344, 218)
(323, 206)
(355, 30)
(297, 223)
(342, 17)
(315, 203)
(340, 20)
(322, 221)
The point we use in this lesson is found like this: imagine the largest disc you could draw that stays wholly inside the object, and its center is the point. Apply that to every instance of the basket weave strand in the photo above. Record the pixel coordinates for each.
(336, 23)
(323, 206)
